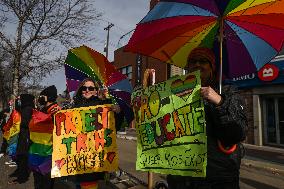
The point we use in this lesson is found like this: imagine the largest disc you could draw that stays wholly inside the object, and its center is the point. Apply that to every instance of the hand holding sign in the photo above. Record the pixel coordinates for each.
(209, 94)
(115, 108)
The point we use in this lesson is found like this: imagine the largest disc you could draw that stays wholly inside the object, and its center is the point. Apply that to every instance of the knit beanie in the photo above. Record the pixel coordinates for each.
(206, 53)
(50, 92)
(27, 98)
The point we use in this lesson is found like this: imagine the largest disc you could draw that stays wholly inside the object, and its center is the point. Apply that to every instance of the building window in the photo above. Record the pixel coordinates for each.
(138, 69)
(127, 71)
(274, 120)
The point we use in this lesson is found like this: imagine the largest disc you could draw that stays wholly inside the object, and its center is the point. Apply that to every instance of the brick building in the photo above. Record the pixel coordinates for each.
(134, 66)
(153, 3)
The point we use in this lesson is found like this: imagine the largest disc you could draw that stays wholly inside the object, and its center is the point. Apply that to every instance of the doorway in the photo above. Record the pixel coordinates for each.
(273, 112)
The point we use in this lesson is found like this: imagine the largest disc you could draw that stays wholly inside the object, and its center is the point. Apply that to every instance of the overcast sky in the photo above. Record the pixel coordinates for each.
(124, 14)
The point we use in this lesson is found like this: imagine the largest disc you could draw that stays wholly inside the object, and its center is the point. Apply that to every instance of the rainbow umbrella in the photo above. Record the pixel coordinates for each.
(84, 62)
(244, 34)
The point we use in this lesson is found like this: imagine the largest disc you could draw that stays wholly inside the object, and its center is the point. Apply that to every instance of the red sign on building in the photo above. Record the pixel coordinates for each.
(268, 72)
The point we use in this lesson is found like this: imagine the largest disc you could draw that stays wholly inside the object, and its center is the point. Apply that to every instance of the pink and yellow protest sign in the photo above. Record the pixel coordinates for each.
(84, 141)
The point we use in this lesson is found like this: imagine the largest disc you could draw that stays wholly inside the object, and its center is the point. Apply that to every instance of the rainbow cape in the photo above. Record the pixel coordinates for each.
(11, 132)
(40, 151)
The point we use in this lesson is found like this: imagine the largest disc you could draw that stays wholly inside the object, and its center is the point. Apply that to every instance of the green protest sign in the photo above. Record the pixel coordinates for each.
(170, 123)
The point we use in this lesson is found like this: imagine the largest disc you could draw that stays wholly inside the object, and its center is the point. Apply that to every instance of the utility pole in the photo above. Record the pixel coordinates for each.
(107, 42)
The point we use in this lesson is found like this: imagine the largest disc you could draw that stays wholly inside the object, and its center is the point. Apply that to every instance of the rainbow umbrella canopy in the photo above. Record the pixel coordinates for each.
(84, 62)
(244, 34)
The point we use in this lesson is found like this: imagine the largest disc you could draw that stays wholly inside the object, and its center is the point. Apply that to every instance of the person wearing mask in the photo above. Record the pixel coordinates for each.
(88, 95)
(40, 151)
(24, 105)
(226, 125)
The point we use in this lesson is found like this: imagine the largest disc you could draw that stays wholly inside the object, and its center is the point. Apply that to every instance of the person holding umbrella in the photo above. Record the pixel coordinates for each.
(226, 125)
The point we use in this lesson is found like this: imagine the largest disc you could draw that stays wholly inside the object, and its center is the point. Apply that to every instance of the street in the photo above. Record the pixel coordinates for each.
(6, 170)
(250, 177)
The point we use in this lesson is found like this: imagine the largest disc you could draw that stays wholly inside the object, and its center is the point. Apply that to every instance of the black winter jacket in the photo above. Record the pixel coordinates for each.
(227, 123)
(24, 135)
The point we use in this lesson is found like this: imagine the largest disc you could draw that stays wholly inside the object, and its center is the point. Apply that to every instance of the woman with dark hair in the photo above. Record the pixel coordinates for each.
(88, 95)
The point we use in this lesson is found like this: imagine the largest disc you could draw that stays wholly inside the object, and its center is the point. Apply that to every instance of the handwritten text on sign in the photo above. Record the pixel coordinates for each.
(171, 127)
(84, 141)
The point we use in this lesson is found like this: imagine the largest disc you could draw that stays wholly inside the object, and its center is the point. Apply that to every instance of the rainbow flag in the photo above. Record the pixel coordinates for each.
(89, 185)
(40, 151)
(11, 132)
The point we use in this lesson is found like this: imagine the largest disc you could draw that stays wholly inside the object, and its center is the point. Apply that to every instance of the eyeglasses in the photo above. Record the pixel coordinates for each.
(84, 88)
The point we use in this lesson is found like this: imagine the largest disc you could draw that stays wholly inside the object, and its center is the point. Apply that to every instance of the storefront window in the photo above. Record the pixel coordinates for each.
(127, 71)
(270, 121)
(274, 120)
(281, 119)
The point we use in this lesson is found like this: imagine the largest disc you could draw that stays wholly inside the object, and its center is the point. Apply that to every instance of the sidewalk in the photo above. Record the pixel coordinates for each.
(264, 158)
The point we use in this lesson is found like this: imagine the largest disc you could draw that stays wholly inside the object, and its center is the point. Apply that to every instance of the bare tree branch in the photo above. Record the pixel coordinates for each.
(42, 28)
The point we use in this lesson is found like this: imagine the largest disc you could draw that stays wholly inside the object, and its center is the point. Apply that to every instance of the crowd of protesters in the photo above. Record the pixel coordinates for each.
(27, 154)
(225, 121)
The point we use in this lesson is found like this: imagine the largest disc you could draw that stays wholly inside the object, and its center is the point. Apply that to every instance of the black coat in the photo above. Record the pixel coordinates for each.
(2, 120)
(227, 123)
(24, 135)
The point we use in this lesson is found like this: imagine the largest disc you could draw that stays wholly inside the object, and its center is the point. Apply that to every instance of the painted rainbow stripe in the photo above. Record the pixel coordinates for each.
(179, 85)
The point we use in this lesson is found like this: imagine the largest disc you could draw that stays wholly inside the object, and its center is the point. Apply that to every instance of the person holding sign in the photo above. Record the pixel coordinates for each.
(226, 125)
(88, 95)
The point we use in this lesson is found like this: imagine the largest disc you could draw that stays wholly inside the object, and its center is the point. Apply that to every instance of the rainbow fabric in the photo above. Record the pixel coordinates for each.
(89, 185)
(83, 62)
(252, 32)
(11, 132)
(40, 151)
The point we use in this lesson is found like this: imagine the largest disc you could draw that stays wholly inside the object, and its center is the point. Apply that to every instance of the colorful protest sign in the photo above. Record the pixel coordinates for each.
(170, 123)
(84, 141)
